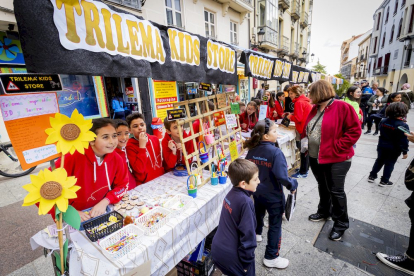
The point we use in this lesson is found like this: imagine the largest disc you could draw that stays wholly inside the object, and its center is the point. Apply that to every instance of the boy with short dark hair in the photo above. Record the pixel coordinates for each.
(172, 152)
(392, 142)
(233, 245)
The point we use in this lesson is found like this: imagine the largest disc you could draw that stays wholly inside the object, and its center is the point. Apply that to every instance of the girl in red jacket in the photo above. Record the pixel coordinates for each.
(122, 131)
(300, 113)
(275, 109)
(143, 151)
(101, 172)
(249, 118)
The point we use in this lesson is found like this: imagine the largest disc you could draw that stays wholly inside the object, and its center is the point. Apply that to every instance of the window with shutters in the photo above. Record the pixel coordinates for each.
(210, 25)
(233, 33)
(173, 9)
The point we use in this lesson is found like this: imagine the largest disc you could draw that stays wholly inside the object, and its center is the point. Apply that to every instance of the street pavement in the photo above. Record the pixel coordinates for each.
(368, 202)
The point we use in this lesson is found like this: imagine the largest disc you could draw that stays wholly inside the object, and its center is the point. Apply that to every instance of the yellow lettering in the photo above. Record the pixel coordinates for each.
(215, 50)
(159, 48)
(197, 52)
(121, 48)
(70, 5)
(174, 53)
(92, 24)
(189, 49)
(181, 41)
(108, 30)
(147, 40)
(231, 68)
(209, 53)
(278, 68)
(286, 70)
(133, 29)
(260, 66)
(222, 56)
(227, 59)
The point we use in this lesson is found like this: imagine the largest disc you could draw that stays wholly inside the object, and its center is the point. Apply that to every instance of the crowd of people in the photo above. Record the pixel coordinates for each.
(328, 128)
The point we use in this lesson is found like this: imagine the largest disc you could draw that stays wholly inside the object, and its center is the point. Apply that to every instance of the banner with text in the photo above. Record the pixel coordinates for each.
(91, 37)
(299, 75)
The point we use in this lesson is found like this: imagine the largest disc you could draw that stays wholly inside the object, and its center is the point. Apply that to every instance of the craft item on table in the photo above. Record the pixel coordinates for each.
(111, 220)
(117, 207)
(203, 152)
(130, 207)
(121, 243)
(144, 210)
(180, 170)
(140, 203)
(214, 177)
(178, 203)
(128, 220)
(192, 186)
(223, 176)
(154, 219)
(52, 230)
(208, 136)
(124, 205)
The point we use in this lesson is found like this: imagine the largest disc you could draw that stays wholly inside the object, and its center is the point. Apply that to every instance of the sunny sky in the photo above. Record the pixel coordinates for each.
(334, 21)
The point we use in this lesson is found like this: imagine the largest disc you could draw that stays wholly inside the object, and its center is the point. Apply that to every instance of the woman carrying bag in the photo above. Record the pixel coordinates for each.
(375, 104)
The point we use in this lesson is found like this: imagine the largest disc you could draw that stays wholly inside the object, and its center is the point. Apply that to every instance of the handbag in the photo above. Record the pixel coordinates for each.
(411, 103)
(285, 121)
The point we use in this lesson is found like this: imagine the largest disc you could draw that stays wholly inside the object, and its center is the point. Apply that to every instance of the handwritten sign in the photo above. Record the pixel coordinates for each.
(27, 83)
(233, 150)
(26, 117)
(165, 94)
(235, 108)
(221, 100)
(231, 121)
(174, 114)
(262, 112)
(219, 118)
(205, 86)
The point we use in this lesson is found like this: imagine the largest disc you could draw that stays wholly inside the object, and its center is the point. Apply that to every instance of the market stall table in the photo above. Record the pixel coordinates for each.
(165, 248)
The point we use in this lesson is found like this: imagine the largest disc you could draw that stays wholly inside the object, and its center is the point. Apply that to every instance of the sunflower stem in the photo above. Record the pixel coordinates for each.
(63, 161)
(60, 236)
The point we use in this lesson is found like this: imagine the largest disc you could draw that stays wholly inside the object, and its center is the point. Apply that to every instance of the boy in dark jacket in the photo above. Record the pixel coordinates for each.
(235, 240)
(392, 142)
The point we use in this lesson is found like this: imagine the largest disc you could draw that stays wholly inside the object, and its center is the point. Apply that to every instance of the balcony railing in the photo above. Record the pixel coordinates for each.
(135, 4)
(304, 19)
(295, 14)
(284, 4)
(239, 5)
(269, 38)
(284, 46)
(406, 63)
(381, 70)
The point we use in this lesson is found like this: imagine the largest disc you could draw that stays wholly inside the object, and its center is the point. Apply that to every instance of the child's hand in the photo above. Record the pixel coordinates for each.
(100, 208)
(405, 156)
(410, 137)
(179, 146)
(143, 139)
(171, 146)
(293, 192)
(84, 216)
(243, 125)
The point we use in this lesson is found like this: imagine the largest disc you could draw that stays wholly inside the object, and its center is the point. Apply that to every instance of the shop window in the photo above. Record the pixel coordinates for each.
(209, 21)
(173, 9)
(233, 33)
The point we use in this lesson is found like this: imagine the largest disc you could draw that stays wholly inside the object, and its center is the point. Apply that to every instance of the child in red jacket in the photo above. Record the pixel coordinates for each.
(122, 131)
(249, 118)
(143, 151)
(172, 149)
(100, 172)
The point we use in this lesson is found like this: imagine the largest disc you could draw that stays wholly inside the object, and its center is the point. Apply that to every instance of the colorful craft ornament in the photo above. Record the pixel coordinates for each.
(49, 188)
(70, 134)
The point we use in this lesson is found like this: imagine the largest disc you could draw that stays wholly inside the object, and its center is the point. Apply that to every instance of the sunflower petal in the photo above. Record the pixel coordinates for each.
(52, 138)
(85, 144)
(64, 146)
(75, 188)
(62, 203)
(30, 203)
(88, 136)
(55, 122)
(49, 130)
(49, 176)
(61, 175)
(33, 196)
(68, 193)
(30, 187)
(70, 181)
(45, 206)
(72, 149)
(79, 147)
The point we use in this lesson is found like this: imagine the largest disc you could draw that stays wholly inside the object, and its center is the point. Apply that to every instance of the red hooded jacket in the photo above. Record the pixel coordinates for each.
(340, 130)
(108, 180)
(250, 121)
(301, 112)
(132, 182)
(169, 159)
(146, 164)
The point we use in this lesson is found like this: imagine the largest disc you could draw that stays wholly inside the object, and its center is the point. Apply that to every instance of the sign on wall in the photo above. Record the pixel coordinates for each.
(165, 94)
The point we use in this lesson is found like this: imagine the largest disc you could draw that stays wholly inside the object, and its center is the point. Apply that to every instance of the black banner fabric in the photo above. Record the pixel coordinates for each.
(107, 41)
(300, 75)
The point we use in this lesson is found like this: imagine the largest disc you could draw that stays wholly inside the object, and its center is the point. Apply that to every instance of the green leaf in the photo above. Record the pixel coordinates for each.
(57, 257)
(57, 212)
(65, 252)
(72, 217)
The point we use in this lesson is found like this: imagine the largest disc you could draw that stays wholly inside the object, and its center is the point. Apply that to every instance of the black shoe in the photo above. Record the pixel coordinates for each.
(368, 131)
(386, 184)
(317, 217)
(399, 262)
(371, 179)
(375, 133)
(336, 236)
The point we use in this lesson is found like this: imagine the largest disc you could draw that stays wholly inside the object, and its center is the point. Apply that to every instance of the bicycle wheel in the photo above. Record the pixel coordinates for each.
(9, 167)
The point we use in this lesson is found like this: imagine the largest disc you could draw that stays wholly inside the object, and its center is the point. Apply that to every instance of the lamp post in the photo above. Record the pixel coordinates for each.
(260, 38)
(312, 57)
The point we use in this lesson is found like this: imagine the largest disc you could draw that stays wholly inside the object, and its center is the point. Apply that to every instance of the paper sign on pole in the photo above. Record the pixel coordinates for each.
(233, 150)
(221, 100)
(165, 94)
(262, 112)
(231, 121)
(27, 115)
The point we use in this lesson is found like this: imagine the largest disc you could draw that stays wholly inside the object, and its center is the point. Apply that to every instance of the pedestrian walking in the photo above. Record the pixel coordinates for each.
(331, 129)
(299, 116)
(269, 195)
(375, 104)
(392, 142)
(405, 262)
(235, 240)
(407, 95)
(392, 98)
(367, 93)
(260, 93)
(353, 97)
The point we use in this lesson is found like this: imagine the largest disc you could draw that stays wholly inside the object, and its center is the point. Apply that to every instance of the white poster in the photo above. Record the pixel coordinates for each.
(262, 112)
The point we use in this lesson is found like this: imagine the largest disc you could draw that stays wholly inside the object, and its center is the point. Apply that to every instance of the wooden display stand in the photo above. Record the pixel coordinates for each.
(193, 136)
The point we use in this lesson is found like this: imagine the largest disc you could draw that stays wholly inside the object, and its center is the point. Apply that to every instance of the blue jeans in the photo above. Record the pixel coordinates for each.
(386, 158)
(274, 235)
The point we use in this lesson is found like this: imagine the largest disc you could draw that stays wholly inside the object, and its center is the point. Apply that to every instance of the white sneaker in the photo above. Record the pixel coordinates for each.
(259, 238)
(279, 262)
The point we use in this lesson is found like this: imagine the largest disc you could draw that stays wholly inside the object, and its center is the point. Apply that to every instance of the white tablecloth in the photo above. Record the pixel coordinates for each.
(165, 248)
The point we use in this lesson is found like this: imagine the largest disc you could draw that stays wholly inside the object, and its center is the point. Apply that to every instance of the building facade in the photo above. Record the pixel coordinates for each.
(362, 59)
(390, 59)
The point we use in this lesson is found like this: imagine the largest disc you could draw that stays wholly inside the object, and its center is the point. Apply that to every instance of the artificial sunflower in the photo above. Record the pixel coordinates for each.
(71, 134)
(49, 188)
